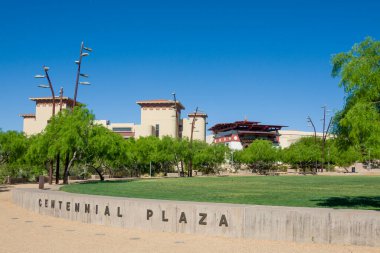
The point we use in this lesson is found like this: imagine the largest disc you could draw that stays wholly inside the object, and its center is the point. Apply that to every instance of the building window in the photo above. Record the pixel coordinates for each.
(157, 130)
(122, 129)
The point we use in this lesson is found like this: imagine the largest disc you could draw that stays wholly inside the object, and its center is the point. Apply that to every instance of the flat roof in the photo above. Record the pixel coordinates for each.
(160, 102)
(199, 114)
(57, 98)
(28, 115)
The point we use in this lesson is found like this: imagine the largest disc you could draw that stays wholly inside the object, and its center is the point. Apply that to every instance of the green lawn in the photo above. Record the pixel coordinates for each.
(359, 192)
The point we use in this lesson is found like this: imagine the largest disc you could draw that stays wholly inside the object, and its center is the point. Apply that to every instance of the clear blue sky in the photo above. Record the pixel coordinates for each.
(268, 61)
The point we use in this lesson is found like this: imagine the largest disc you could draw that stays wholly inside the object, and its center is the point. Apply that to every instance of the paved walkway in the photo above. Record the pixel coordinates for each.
(24, 231)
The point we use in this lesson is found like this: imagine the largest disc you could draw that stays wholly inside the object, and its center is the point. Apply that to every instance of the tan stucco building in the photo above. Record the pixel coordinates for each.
(35, 123)
(200, 122)
(159, 118)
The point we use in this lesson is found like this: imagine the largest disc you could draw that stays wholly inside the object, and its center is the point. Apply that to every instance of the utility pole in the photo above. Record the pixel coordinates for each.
(190, 172)
(315, 140)
(181, 173)
(324, 135)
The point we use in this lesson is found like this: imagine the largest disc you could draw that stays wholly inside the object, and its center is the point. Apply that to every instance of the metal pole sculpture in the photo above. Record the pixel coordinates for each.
(79, 74)
(176, 115)
(50, 86)
(60, 98)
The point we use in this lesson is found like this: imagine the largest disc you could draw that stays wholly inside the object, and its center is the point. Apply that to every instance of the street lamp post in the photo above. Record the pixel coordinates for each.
(58, 157)
(312, 124)
(176, 115)
(50, 86)
(79, 74)
(60, 98)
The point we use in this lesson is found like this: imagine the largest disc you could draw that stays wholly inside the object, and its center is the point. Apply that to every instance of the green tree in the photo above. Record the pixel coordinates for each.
(208, 158)
(13, 147)
(304, 154)
(69, 134)
(105, 151)
(146, 148)
(260, 156)
(343, 157)
(358, 123)
(37, 153)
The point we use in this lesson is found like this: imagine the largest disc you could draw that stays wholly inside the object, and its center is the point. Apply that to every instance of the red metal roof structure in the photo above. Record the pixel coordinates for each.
(245, 132)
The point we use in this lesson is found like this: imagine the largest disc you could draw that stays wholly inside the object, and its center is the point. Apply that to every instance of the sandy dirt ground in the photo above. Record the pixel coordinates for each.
(24, 231)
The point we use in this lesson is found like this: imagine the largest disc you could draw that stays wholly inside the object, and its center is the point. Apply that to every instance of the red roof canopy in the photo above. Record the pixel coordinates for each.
(244, 125)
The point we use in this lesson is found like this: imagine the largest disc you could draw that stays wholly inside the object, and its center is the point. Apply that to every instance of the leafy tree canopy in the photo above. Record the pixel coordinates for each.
(358, 123)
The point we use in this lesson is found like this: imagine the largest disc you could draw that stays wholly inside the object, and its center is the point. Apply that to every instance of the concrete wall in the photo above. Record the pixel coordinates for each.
(320, 225)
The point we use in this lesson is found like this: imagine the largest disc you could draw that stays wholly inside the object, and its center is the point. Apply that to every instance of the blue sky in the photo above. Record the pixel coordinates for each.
(268, 61)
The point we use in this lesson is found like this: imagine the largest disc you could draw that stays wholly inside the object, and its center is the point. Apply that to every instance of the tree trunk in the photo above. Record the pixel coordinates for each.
(57, 169)
(65, 173)
(176, 164)
(100, 174)
(68, 164)
(182, 169)
(190, 170)
(51, 165)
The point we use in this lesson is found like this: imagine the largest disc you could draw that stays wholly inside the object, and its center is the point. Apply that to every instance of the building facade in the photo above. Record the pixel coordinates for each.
(162, 118)
(35, 123)
(240, 134)
(288, 137)
(158, 118)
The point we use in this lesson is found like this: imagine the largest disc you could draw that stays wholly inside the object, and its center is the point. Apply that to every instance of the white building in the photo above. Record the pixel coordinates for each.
(288, 137)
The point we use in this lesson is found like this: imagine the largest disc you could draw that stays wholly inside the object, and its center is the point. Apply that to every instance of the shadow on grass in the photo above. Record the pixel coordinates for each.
(107, 181)
(360, 202)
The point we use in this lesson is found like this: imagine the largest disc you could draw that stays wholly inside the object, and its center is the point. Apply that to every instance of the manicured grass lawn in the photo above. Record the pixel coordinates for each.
(359, 192)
